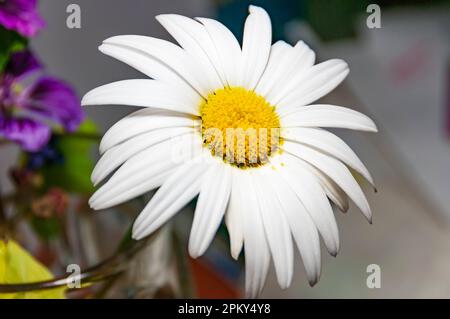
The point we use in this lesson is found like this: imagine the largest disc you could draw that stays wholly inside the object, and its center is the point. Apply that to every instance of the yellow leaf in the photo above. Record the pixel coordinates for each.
(18, 266)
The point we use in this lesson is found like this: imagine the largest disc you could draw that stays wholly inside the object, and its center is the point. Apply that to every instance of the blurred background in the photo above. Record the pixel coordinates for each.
(399, 75)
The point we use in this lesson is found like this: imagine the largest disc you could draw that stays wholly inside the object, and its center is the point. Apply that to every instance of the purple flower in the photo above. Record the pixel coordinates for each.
(29, 112)
(21, 16)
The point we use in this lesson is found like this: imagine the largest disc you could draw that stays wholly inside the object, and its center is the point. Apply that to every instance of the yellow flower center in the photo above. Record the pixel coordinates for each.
(240, 126)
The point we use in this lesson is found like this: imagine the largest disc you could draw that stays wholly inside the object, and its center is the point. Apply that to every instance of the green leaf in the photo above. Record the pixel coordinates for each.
(73, 175)
(10, 42)
(17, 266)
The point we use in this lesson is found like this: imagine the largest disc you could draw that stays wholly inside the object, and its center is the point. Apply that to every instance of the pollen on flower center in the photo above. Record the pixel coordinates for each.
(240, 126)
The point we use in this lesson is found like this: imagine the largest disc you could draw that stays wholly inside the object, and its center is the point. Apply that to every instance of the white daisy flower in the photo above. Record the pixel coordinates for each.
(271, 185)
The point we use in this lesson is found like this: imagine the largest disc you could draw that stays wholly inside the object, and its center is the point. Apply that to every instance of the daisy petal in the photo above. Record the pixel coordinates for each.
(306, 87)
(257, 255)
(178, 190)
(233, 217)
(333, 191)
(313, 198)
(296, 60)
(228, 49)
(255, 46)
(169, 54)
(194, 39)
(148, 65)
(324, 115)
(328, 143)
(276, 227)
(119, 154)
(302, 227)
(278, 52)
(211, 205)
(144, 93)
(335, 170)
(141, 122)
(142, 173)
(299, 60)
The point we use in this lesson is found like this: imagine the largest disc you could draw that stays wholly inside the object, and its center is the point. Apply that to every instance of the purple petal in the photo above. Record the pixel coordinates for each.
(22, 63)
(31, 135)
(56, 100)
(21, 16)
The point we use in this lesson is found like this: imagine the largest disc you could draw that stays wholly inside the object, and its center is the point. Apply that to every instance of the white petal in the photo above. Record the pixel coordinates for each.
(257, 255)
(328, 143)
(302, 227)
(335, 170)
(117, 155)
(300, 59)
(313, 198)
(145, 93)
(143, 121)
(148, 65)
(333, 191)
(171, 55)
(276, 227)
(278, 52)
(233, 216)
(211, 205)
(296, 60)
(255, 46)
(178, 190)
(307, 87)
(324, 115)
(143, 172)
(194, 39)
(228, 49)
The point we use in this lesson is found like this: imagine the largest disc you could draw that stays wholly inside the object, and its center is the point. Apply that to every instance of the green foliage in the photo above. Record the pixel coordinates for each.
(334, 19)
(18, 266)
(46, 228)
(73, 175)
(10, 42)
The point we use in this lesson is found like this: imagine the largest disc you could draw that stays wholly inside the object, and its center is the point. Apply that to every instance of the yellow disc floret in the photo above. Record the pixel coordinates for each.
(240, 126)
